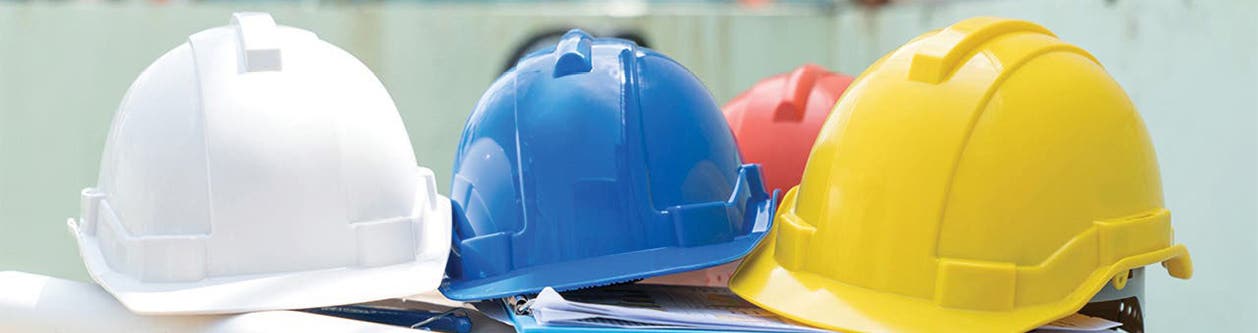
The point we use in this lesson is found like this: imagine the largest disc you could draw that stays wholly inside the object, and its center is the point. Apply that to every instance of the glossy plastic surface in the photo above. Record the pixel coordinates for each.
(595, 162)
(776, 121)
(257, 167)
(987, 177)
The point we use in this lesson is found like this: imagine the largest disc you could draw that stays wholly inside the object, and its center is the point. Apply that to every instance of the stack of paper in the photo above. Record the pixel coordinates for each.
(654, 306)
(1078, 323)
(639, 306)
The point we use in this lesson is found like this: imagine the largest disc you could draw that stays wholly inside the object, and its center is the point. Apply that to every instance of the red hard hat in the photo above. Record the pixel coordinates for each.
(775, 123)
(777, 120)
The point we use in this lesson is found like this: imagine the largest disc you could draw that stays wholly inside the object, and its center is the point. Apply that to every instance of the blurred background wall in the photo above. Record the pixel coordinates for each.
(1190, 66)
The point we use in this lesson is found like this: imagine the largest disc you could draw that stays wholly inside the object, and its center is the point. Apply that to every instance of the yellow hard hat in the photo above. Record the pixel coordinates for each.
(987, 177)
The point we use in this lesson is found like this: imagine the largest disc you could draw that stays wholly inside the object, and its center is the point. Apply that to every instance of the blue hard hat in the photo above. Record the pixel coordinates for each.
(596, 162)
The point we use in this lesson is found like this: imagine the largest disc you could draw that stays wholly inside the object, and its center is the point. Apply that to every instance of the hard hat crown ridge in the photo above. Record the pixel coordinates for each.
(987, 177)
(799, 86)
(777, 120)
(256, 157)
(933, 61)
(259, 47)
(574, 50)
(594, 162)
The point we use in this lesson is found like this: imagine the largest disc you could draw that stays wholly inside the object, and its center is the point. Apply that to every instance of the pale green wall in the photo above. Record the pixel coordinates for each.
(1190, 66)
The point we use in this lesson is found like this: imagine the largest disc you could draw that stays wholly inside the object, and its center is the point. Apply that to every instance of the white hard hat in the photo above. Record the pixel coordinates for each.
(257, 167)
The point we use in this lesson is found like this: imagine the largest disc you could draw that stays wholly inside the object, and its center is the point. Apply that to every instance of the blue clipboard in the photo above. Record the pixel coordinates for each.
(449, 321)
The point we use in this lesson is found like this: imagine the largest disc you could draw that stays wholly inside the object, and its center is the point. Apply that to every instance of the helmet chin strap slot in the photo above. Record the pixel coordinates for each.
(1121, 305)
(1126, 311)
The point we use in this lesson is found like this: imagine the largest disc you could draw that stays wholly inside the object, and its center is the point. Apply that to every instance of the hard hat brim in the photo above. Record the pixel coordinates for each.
(617, 268)
(821, 302)
(278, 291)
